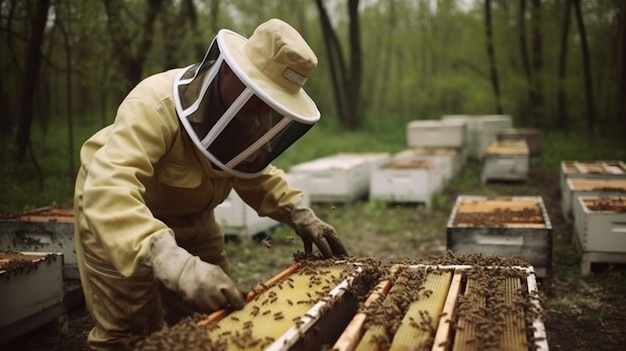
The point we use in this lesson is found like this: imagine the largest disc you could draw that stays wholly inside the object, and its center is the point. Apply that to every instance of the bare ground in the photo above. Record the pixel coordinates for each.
(582, 313)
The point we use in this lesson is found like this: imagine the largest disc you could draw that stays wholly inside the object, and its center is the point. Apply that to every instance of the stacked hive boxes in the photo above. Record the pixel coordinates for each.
(434, 155)
(439, 304)
(593, 195)
(342, 177)
(481, 130)
(47, 229)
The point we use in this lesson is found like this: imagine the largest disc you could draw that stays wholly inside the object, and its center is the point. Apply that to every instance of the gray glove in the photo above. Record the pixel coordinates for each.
(201, 284)
(313, 230)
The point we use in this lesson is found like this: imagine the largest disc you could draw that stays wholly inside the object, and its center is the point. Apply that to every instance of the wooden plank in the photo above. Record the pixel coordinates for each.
(443, 335)
(353, 333)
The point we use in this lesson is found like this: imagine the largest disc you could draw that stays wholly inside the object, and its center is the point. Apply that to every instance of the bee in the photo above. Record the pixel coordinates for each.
(290, 239)
(266, 243)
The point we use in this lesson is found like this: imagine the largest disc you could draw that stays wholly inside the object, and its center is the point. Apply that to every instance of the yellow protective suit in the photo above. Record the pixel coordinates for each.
(142, 176)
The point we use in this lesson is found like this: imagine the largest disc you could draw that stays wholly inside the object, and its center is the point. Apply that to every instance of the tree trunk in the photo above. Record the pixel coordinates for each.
(346, 83)
(31, 75)
(591, 114)
(492, 56)
(562, 118)
(528, 107)
(131, 60)
(537, 64)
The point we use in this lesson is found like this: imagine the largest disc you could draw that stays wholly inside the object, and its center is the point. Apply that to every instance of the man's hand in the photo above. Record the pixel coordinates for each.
(313, 230)
(202, 284)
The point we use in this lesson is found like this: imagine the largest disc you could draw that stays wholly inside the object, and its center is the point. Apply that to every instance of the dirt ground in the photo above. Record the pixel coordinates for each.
(582, 313)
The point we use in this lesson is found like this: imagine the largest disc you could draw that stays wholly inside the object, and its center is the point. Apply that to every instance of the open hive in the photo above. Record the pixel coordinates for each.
(516, 226)
(506, 160)
(588, 187)
(46, 229)
(303, 307)
(493, 304)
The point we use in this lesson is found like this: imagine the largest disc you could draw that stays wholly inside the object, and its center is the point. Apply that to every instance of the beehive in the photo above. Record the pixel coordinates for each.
(482, 130)
(237, 218)
(436, 133)
(31, 293)
(533, 137)
(591, 170)
(449, 159)
(47, 229)
(406, 180)
(588, 187)
(450, 307)
(302, 308)
(506, 226)
(339, 178)
(599, 227)
(506, 160)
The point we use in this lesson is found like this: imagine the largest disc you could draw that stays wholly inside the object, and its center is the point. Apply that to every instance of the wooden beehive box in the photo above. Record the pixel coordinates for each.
(339, 178)
(302, 308)
(31, 293)
(592, 170)
(436, 133)
(449, 159)
(47, 229)
(237, 218)
(450, 307)
(599, 228)
(406, 180)
(588, 187)
(506, 226)
(533, 137)
(506, 160)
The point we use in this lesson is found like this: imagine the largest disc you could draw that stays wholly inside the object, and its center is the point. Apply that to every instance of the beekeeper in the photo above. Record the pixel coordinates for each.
(148, 246)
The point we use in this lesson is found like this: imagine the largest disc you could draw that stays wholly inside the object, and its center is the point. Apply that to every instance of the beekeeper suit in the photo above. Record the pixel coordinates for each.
(148, 246)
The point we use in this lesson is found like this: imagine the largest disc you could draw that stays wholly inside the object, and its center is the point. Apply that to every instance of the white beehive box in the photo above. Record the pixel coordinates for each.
(237, 218)
(588, 187)
(408, 180)
(31, 293)
(506, 160)
(47, 229)
(449, 159)
(600, 227)
(340, 178)
(505, 226)
(436, 133)
(591, 170)
(482, 130)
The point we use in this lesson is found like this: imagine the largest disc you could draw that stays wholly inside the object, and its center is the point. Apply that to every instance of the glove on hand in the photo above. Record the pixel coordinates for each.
(313, 230)
(202, 284)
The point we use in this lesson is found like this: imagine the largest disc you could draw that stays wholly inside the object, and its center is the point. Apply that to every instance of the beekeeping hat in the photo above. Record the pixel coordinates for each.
(273, 64)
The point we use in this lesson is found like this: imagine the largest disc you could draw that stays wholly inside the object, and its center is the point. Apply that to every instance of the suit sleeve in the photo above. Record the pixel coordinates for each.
(113, 195)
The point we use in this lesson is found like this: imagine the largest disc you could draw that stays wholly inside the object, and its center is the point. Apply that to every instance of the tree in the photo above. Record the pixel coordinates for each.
(346, 80)
(562, 118)
(492, 57)
(131, 57)
(31, 74)
(584, 47)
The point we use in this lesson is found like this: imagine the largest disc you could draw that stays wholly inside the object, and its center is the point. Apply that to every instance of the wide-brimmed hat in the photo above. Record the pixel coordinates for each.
(275, 62)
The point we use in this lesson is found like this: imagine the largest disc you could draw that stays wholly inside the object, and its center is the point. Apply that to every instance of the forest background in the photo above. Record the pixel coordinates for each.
(557, 65)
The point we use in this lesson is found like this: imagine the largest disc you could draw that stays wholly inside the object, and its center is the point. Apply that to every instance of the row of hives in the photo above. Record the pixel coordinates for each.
(593, 199)
(470, 302)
